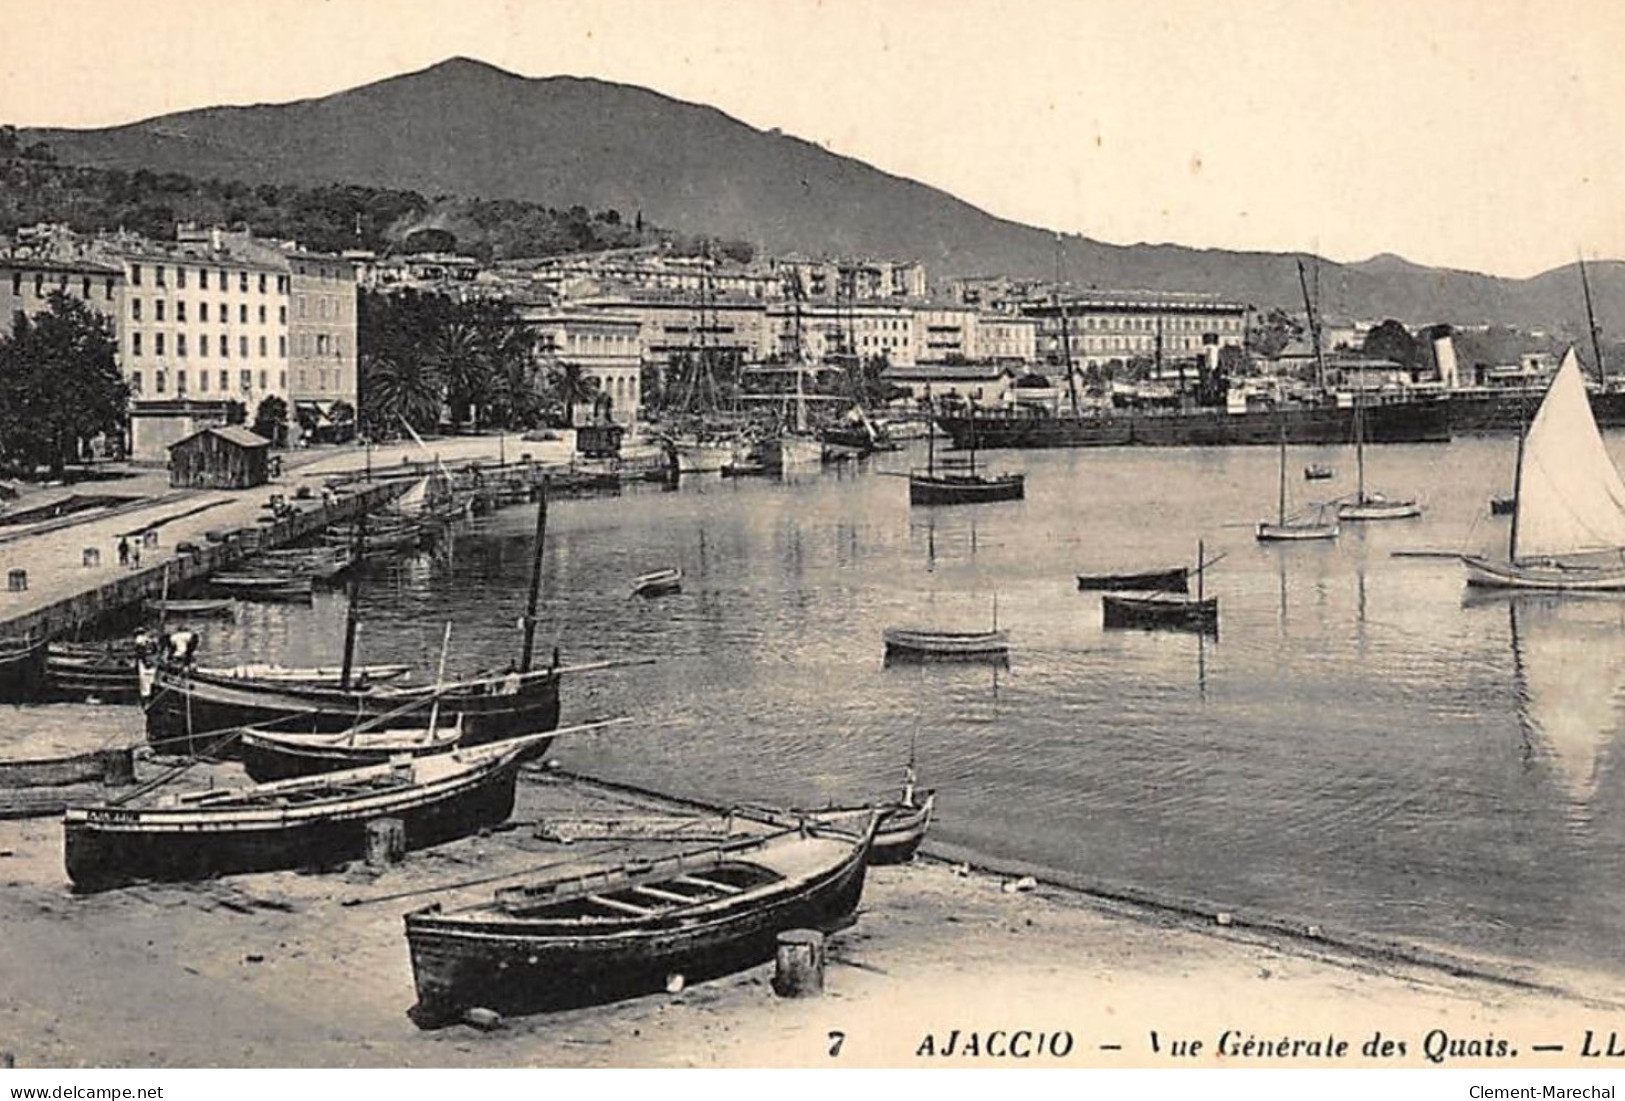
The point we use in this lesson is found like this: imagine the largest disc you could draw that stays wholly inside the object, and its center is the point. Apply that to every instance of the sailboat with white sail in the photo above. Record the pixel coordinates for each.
(1568, 515)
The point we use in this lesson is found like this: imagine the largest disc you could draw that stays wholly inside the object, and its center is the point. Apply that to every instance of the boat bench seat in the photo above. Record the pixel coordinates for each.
(708, 884)
(617, 904)
(664, 896)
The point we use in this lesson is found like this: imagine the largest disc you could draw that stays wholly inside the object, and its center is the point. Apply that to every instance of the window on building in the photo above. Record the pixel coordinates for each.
(262, 315)
(180, 382)
(242, 346)
(180, 310)
(135, 275)
(203, 381)
(225, 346)
(303, 309)
(225, 380)
(242, 314)
(158, 275)
(158, 309)
(263, 384)
(84, 289)
(262, 289)
(39, 285)
(135, 344)
(282, 315)
(321, 379)
(282, 380)
(159, 381)
(202, 313)
(135, 309)
(16, 284)
(158, 344)
(245, 381)
(135, 382)
(262, 347)
(242, 281)
(107, 290)
(180, 278)
(282, 347)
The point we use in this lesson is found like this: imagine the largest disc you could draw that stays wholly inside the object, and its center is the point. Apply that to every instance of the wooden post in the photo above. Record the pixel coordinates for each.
(118, 766)
(799, 970)
(386, 842)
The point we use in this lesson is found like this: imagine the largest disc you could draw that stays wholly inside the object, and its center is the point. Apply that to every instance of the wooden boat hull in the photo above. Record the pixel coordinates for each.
(282, 758)
(1173, 611)
(1164, 581)
(500, 965)
(1295, 533)
(278, 590)
(78, 673)
(190, 712)
(1378, 510)
(964, 489)
(22, 670)
(40, 772)
(906, 644)
(1544, 578)
(109, 846)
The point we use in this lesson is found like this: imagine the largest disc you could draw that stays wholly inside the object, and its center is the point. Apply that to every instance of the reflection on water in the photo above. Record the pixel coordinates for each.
(1363, 749)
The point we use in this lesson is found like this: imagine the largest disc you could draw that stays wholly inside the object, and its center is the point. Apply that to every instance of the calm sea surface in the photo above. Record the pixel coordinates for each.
(1363, 747)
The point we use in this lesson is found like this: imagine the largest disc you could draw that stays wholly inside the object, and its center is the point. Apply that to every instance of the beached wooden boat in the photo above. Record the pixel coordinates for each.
(312, 821)
(1174, 580)
(934, 644)
(37, 772)
(900, 824)
(658, 583)
(624, 931)
(1180, 611)
(319, 676)
(22, 668)
(189, 709)
(291, 749)
(222, 606)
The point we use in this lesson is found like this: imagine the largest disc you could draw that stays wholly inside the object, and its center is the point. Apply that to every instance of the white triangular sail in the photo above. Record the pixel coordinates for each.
(415, 501)
(1570, 496)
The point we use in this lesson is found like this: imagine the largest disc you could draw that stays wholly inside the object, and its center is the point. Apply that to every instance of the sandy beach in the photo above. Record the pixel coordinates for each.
(947, 965)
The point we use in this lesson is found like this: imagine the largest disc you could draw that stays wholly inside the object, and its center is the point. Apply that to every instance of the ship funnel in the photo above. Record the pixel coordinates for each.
(1444, 354)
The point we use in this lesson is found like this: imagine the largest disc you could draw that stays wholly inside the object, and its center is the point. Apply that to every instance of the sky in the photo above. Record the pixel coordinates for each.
(1486, 135)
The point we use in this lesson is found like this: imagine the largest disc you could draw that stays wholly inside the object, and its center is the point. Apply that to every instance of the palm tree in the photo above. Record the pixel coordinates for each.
(460, 354)
(400, 389)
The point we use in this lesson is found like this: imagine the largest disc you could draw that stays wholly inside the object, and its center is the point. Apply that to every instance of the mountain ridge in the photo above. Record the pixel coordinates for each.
(466, 127)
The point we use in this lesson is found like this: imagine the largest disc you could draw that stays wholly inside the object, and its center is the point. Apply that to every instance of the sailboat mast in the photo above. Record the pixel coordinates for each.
(1280, 509)
(1359, 442)
(1066, 331)
(1517, 487)
(352, 614)
(1314, 325)
(1591, 324)
(930, 434)
(535, 581)
(1201, 557)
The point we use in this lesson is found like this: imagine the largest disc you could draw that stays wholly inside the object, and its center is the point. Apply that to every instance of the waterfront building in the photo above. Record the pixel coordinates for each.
(1001, 338)
(987, 384)
(603, 346)
(321, 337)
(673, 326)
(27, 283)
(820, 331)
(1102, 326)
(861, 280)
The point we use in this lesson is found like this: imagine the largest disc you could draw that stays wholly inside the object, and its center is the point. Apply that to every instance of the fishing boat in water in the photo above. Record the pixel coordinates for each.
(935, 644)
(281, 587)
(623, 931)
(1369, 505)
(1177, 610)
(1568, 514)
(311, 821)
(958, 482)
(223, 607)
(22, 668)
(658, 583)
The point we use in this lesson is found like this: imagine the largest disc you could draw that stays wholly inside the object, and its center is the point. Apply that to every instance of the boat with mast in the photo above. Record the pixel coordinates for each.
(1363, 506)
(960, 483)
(1568, 514)
(1151, 609)
(1296, 527)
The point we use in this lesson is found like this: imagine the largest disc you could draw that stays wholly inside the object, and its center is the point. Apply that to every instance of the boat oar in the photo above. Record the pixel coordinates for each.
(1424, 553)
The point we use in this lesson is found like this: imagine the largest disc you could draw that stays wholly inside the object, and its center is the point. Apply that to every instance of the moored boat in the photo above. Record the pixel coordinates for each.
(658, 583)
(1294, 527)
(223, 607)
(960, 483)
(934, 644)
(309, 821)
(1568, 515)
(623, 931)
(1181, 611)
(102, 671)
(269, 586)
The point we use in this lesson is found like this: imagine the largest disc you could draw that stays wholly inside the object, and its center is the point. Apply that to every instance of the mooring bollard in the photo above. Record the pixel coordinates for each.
(17, 581)
(386, 842)
(92, 557)
(149, 538)
(799, 970)
(118, 766)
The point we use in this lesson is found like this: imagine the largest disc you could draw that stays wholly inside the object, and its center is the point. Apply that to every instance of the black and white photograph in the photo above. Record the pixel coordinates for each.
(722, 534)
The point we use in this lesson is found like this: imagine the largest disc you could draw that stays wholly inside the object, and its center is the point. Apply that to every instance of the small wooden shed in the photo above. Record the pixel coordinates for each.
(221, 456)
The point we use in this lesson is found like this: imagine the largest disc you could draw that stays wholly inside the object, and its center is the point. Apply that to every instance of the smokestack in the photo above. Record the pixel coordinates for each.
(1444, 354)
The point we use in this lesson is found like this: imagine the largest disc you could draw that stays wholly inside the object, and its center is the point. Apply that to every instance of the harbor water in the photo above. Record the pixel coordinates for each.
(1366, 746)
